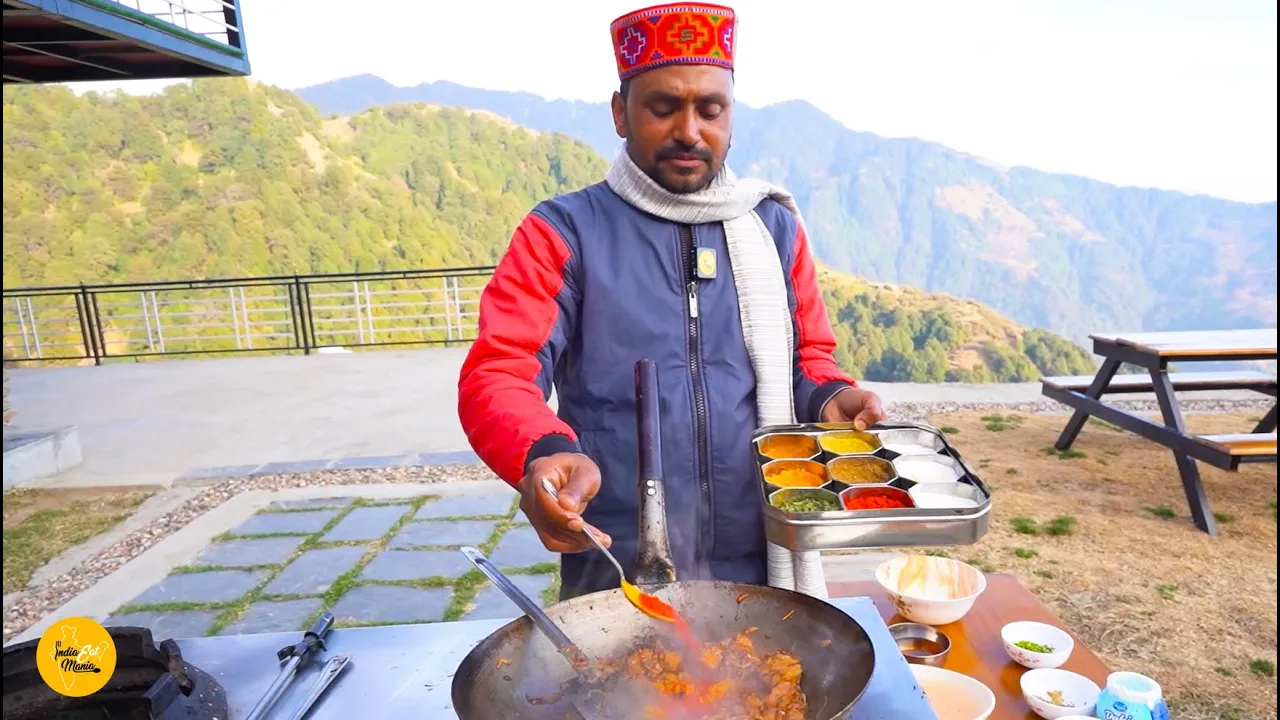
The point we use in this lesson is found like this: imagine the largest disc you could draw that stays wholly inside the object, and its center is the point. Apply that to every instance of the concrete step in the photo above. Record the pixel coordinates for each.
(35, 454)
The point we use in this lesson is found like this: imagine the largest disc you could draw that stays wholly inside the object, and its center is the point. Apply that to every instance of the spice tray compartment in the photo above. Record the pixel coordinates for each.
(807, 468)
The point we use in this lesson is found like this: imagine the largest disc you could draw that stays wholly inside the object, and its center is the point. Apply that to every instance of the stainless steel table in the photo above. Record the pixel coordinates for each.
(406, 670)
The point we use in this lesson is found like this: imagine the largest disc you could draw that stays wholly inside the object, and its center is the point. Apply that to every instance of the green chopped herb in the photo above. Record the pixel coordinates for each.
(808, 504)
(1033, 646)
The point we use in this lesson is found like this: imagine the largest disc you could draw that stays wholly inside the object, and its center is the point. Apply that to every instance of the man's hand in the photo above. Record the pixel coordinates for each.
(576, 480)
(861, 407)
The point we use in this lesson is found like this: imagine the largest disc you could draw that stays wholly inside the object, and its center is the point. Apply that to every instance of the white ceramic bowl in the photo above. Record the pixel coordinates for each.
(1041, 634)
(954, 696)
(931, 590)
(1078, 691)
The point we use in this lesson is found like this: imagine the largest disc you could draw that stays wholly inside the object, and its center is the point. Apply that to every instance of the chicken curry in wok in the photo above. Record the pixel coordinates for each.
(726, 680)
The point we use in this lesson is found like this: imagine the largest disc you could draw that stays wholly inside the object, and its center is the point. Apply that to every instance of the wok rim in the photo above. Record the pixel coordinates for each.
(485, 648)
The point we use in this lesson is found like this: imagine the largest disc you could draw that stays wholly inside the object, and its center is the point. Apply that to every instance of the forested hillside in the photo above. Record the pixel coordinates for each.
(1066, 253)
(228, 178)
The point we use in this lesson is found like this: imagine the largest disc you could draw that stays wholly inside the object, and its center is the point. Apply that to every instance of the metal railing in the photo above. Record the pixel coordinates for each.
(272, 314)
(216, 20)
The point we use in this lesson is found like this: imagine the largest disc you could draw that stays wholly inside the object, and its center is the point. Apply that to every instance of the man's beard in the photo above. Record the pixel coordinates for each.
(684, 188)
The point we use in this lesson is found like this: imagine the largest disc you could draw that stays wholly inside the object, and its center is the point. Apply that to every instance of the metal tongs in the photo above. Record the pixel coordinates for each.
(294, 658)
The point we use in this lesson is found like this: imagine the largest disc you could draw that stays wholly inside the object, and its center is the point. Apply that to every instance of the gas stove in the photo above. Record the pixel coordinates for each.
(150, 682)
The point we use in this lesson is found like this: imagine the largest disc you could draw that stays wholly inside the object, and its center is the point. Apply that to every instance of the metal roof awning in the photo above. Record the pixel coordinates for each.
(54, 41)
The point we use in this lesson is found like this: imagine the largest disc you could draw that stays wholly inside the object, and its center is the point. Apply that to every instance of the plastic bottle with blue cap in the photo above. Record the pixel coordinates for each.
(1130, 696)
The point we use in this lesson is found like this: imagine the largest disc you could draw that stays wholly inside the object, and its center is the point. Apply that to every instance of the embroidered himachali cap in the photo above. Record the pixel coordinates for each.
(673, 34)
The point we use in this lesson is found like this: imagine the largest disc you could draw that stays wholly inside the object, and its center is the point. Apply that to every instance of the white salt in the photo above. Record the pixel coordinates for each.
(939, 501)
(927, 472)
(911, 449)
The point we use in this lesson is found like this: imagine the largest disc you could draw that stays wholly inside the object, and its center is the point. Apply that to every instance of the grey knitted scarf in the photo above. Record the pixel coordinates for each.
(762, 306)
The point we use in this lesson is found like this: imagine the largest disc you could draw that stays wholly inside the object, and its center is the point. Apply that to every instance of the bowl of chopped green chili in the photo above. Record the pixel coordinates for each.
(1036, 644)
(804, 501)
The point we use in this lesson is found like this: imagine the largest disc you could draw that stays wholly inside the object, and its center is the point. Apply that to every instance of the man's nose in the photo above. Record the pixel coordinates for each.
(688, 129)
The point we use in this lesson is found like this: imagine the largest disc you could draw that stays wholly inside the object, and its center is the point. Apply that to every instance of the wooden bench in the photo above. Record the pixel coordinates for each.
(1245, 446)
(1191, 381)
(1155, 352)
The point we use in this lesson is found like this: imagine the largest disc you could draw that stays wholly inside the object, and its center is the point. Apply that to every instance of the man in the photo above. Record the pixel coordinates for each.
(674, 259)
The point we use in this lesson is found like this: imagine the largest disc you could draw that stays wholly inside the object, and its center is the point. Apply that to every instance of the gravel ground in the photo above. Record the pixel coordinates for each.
(40, 601)
(918, 412)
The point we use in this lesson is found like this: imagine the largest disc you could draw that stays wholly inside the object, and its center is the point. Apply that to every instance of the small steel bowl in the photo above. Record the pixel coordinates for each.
(921, 644)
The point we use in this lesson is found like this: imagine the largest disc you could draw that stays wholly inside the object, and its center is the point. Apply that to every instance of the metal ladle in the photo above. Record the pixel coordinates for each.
(644, 602)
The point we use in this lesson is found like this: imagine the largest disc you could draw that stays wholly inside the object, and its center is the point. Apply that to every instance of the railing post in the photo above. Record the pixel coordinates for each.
(99, 335)
(82, 314)
(304, 303)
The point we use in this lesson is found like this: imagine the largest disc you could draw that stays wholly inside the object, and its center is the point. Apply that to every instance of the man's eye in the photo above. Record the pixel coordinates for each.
(662, 110)
(711, 111)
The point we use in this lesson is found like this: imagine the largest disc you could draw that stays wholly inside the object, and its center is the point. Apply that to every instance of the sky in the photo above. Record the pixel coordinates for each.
(1172, 94)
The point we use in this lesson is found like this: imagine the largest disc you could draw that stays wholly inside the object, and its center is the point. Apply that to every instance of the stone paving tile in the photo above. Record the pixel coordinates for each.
(274, 616)
(296, 523)
(371, 463)
(225, 471)
(520, 548)
(201, 587)
(297, 466)
(467, 506)
(459, 457)
(443, 533)
(248, 552)
(313, 503)
(166, 625)
(366, 523)
(491, 604)
(314, 571)
(392, 603)
(392, 565)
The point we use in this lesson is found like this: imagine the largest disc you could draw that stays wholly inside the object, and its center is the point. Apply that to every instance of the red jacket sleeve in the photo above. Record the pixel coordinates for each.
(526, 313)
(817, 375)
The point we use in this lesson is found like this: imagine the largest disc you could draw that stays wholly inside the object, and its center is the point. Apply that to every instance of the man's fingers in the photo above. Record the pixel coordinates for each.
(582, 485)
(870, 414)
(600, 535)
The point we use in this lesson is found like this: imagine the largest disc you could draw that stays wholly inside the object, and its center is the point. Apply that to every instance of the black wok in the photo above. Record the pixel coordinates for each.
(516, 673)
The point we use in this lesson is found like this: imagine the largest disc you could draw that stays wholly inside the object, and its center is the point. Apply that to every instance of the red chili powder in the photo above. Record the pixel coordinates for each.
(873, 502)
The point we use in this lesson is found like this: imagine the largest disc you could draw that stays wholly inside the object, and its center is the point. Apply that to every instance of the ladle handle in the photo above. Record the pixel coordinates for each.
(653, 560)
(530, 608)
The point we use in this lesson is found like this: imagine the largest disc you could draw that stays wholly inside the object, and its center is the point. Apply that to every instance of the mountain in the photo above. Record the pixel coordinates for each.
(228, 178)
(1066, 253)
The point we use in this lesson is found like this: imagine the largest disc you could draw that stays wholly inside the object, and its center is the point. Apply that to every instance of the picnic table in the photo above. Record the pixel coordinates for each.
(1155, 352)
(976, 647)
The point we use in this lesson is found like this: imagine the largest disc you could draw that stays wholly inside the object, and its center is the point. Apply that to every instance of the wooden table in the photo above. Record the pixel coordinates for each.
(976, 648)
(1155, 352)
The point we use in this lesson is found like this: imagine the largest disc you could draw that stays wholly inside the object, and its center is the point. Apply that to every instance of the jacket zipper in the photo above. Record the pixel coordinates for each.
(688, 247)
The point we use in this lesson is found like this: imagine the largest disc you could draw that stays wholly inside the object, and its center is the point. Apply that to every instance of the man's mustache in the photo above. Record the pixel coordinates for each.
(673, 151)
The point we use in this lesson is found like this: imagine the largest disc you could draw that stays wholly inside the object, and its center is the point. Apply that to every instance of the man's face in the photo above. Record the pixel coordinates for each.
(677, 122)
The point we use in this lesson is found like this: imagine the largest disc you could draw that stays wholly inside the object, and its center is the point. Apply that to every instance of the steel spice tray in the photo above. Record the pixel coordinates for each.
(879, 528)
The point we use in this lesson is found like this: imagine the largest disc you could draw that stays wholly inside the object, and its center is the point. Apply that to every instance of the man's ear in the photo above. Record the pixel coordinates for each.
(619, 107)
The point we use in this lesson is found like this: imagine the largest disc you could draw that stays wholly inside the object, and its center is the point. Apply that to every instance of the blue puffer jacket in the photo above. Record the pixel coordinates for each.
(588, 286)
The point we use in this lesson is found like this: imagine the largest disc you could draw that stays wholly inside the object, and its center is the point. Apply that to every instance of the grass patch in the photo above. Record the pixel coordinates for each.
(1060, 526)
(950, 429)
(1164, 512)
(39, 525)
(1262, 667)
(1026, 553)
(999, 423)
(937, 552)
(982, 564)
(1224, 518)
(1225, 671)
(1167, 591)
(1011, 471)
(1272, 507)
(1046, 574)
(1025, 526)
(1068, 454)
